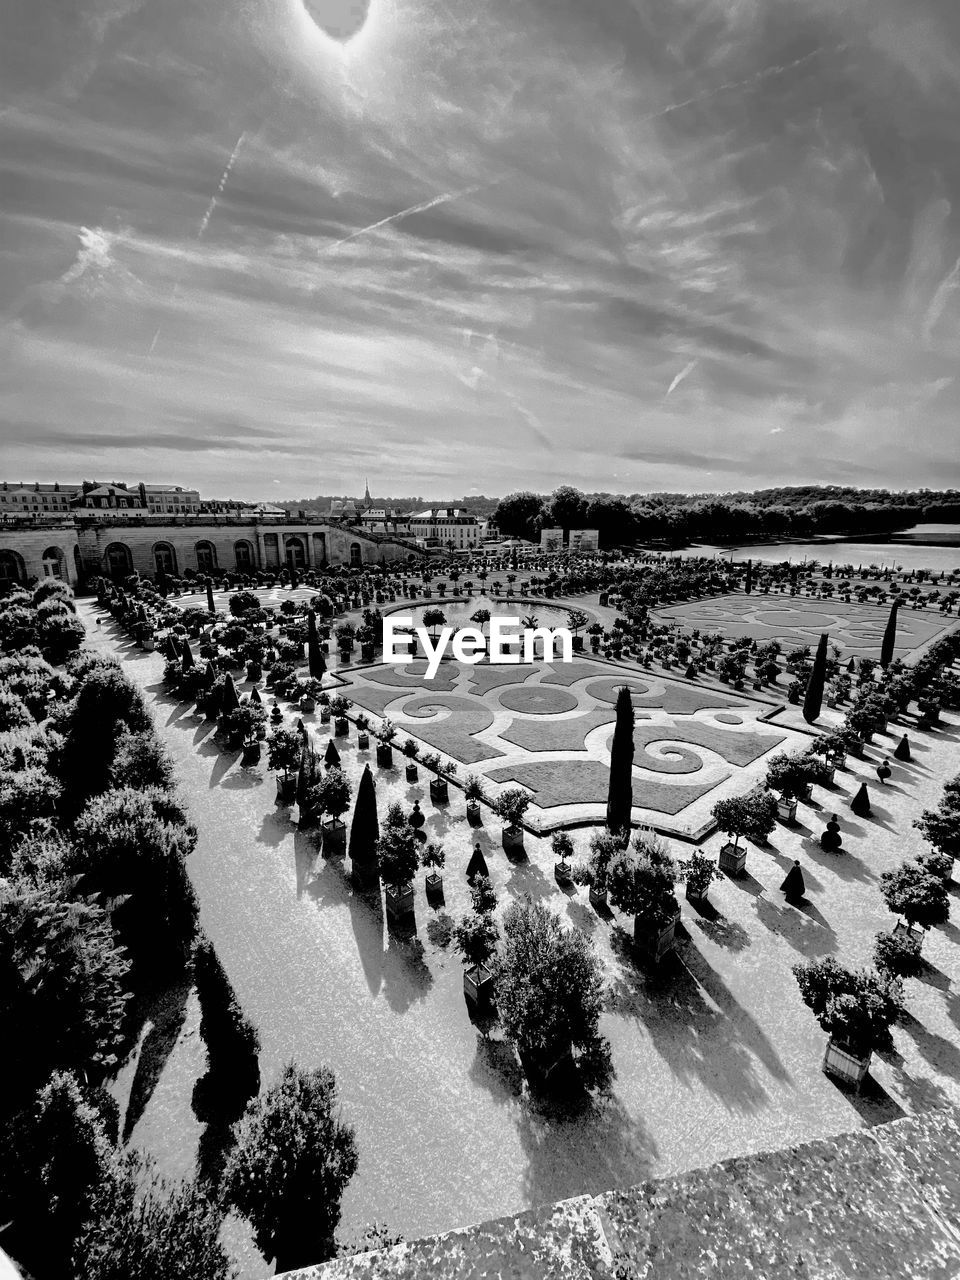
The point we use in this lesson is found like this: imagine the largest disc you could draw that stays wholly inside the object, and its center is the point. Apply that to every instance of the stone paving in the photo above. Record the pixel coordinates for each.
(715, 1054)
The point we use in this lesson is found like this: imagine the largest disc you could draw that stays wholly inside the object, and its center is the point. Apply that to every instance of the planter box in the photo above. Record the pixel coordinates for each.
(786, 810)
(341, 727)
(473, 813)
(384, 755)
(434, 884)
(363, 740)
(697, 899)
(478, 985)
(325, 715)
(411, 773)
(439, 793)
(400, 901)
(843, 1065)
(333, 836)
(733, 859)
(562, 873)
(307, 704)
(598, 897)
(512, 838)
(251, 753)
(655, 943)
(286, 790)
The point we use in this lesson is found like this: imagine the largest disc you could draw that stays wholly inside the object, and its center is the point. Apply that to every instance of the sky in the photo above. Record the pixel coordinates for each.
(273, 249)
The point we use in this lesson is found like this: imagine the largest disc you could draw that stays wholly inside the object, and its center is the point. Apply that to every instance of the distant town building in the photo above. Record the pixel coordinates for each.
(385, 520)
(450, 527)
(168, 499)
(18, 499)
(108, 497)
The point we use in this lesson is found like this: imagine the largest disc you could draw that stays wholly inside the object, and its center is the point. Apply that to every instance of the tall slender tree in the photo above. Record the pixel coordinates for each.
(210, 604)
(889, 636)
(365, 828)
(620, 794)
(314, 653)
(813, 698)
(748, 584)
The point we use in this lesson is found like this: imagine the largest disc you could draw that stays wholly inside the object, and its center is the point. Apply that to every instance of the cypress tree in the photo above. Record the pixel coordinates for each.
(314, 653)
(889, 636)
(620, 794)
(813, 698)
(210, 606)
(748, 585)
(365, 828)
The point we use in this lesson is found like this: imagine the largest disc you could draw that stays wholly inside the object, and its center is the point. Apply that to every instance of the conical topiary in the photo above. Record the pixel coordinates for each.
(331, 757)
(210, 605)
(889, 636)
(620, 791)
(902, 750)
(365, 829)
(186, 656)
(477, 866)
(813, 698)
(229, 699)
(860, 804)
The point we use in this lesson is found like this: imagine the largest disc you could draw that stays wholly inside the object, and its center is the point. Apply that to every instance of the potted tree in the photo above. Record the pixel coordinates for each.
(699, 873)
(920, 897)
(594, 873)
(476, 938)
(753, 816)
(789, 776)
(510, 806)
(283, 756)
(856, 1008)
(339, 706)
(323, 702)
(363, 733)
(387, 733)
(410, 749)
(433, 858)
(398, 856)
(562, 847)
(576, 622)
(331, 795)
(474, 793)
(641, 883)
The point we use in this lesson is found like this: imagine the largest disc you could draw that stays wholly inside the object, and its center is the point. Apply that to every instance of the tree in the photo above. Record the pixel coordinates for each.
(292, 1161)
(889, 641)
(331, 794)
(519, 515)
(912, 892)
(641, 882)
(476, 937)
(577, 620)
(790, 775)
(53, 1155)
(567, 508)
(550, 993)
(398, 855)
(620, 789)
(813, 698)
(434, 618)
(855, 1007)
(511, 805)
(143, 1228)
(317, 662)
(481, 617)
(243, 602)
(283, 748)
(140, 760)
(63, 986)
(104, 700)
(233, 1070)
(365, 828)
(941, 827)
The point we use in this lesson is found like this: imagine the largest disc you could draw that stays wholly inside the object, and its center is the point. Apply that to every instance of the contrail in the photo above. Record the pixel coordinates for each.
(756, 78)
(205, 220)
(414, 208)
(684, 373)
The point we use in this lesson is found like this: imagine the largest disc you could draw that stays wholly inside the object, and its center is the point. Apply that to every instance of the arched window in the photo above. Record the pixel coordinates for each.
(296, 553)
(164, 558)
(243, 552)
(12, 568)
(206, 557)
(53, 563)
(118, 560)
(356, 555)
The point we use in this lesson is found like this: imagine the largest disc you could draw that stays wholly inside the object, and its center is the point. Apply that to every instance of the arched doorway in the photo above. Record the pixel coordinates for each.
(118, 561)
(52, 563)
(165, 558)
(206, 557)
(319, 548)
(243, 553)
(356, 555)
(295, 552)
(12, 569)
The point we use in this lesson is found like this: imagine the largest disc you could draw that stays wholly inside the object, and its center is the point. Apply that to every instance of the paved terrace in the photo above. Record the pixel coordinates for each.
(879, 1204)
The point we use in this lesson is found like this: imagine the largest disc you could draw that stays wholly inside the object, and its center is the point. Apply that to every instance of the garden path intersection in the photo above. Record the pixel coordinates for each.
(715, 1055)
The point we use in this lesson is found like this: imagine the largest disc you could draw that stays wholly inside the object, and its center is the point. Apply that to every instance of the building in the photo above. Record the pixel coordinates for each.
(168, 499)
(108, 497)
(449, 527)
(386, 521)
(18, 499)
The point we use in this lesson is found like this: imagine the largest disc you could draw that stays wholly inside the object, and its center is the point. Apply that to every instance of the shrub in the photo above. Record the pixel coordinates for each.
(912, 892)
(897, 954)
(855, 1007)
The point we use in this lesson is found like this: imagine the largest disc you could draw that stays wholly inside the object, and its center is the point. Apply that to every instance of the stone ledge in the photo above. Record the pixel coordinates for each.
(876, 1203)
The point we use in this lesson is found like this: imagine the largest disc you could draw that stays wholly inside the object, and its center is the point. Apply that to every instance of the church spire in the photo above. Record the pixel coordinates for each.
(367, 500)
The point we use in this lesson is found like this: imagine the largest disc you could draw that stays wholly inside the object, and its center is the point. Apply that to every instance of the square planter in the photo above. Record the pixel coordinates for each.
(307, 705)
(843, 1065)
(434, 884)
(733, 859)
(411, 772)
(341, 727)
(363, 740)
(333, 836)
(655, 943)
(478, 985)
(512, 838)
(399, 901)
(694, 898)
(384, 755)
(251, 753)
(562, 873)
(598, 897)
(286, 790)
(474, 816)
(439, 793)
(786, 809)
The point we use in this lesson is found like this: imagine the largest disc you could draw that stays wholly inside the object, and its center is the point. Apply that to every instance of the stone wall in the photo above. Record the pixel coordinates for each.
(24, 549)
(878, 1204)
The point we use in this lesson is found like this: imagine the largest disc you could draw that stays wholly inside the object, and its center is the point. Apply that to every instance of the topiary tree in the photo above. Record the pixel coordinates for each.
(293, 1159)
(284, 747)
(620, 789)
(365, 828)
(813, 696)
(642, 880)
(330, 793)
(897, 954)
(511, 805)
(550, 994)
(941, 827)
(855, 1007)
(398, 855)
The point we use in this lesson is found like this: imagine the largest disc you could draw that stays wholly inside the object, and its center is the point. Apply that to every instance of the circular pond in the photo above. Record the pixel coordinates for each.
(458, 613)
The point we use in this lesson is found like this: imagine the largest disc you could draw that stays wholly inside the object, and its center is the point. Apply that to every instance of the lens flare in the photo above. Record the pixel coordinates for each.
(339, 19)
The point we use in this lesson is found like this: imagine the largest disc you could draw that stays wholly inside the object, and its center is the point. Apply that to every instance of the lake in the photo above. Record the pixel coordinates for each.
(907, 551)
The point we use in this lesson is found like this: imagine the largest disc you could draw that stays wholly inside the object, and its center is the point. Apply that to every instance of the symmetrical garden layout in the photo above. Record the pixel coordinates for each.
(794, 621)
(547, 727)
